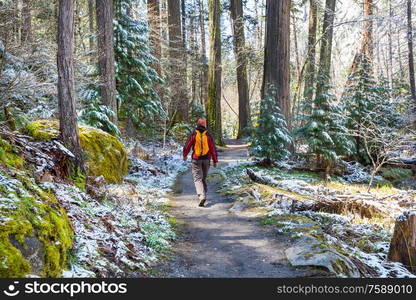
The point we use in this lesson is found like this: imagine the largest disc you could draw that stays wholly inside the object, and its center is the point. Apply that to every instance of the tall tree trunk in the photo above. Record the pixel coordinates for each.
(105, 32)
(276, 55)
(194, 55)
(66, 93)
(184, 47)
(326, 48)
(91, 27)
(390, 66)
(204, 60)
(27, 37)
(179, 103)
(153, 12)
(237, 16)
(410, 49)
(213, 105)
(311, 51)
(15, 21)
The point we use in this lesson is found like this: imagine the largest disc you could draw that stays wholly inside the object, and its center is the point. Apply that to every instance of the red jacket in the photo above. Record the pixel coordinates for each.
(212, 153)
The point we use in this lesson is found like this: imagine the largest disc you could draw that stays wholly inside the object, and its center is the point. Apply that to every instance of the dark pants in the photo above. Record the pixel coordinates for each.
(200, 169)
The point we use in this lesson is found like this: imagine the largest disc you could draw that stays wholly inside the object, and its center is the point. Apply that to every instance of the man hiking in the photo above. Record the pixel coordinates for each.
(203, 149)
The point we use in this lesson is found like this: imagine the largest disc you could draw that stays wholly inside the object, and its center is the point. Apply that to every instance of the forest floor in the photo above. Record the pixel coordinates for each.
(215, 241)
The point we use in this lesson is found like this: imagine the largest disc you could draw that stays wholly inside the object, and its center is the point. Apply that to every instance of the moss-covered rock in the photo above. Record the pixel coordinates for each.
(9, 156)
(35, 232)
(104, 154)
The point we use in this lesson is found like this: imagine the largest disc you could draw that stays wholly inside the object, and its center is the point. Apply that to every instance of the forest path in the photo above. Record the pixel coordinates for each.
(212, 242)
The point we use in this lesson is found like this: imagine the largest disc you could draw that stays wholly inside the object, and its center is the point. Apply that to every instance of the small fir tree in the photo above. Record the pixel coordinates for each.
(324, 131)
(135, 76)
(270, 137)
(367, 102)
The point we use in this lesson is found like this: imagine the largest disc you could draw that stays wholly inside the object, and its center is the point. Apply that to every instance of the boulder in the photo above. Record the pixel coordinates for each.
(104, 154)
(310, 251)
(35, 231)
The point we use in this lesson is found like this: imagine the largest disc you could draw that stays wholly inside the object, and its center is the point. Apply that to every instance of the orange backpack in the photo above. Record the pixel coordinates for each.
(201, 147)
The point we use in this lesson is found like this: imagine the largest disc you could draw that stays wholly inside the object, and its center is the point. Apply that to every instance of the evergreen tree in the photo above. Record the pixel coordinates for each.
(270, 134)
(325, 129)
(135, 75)
(366, 103)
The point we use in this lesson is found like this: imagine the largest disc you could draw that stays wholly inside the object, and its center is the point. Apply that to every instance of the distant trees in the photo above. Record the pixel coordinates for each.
(105, 36)
(213, 104)
(153, 12)
(237, 16)
(66, 93)
(177, 75)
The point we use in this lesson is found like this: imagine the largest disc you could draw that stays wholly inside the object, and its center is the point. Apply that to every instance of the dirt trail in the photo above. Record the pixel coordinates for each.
(213, 242)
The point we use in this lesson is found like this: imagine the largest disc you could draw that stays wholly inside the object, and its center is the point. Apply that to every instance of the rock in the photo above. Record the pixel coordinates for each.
(239, 205)
(104, 154)
(309, 251)
(403, 244)
(99, 181)
(33, 251)
(35, 231)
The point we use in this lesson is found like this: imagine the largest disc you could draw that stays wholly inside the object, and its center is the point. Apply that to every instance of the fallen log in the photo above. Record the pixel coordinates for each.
(403, 243)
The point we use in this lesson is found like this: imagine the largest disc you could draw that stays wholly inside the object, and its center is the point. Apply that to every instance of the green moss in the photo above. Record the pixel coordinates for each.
(9, 156)
(104, 154)
(43, 130)
(28, 211)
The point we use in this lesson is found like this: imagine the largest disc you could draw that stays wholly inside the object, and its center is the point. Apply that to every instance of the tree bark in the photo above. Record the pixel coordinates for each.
(410, 50)
(276, 55)
(403, 243)
(237, 16)
(179, 102)
(91, 26)
(204, 60)
(66, 93)
(27, 37)
(194, 56)
(105, 32)
(213, 104)
(326, 48)
(153, 11)
(311, 51)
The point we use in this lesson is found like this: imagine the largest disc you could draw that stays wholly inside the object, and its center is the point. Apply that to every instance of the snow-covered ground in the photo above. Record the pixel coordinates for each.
(365, 240)
(124, 231)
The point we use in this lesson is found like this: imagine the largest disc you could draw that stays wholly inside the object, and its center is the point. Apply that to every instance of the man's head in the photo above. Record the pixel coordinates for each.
(201, 122)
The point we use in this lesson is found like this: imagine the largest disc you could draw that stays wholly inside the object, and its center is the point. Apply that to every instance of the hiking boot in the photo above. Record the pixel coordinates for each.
(202, 203)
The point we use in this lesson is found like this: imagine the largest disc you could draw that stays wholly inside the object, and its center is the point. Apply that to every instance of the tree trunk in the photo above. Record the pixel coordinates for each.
(105, 32)
(403, 243)
(410, 49)
(276, 55)
(27, 37)
(153, 11)
(390, 45)
(194, 56)
(237, 16)
(66, 93)
(213, 104)
(91, 27)
(311, 52)
(179, 102)
(204, 60)
(326, 48)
